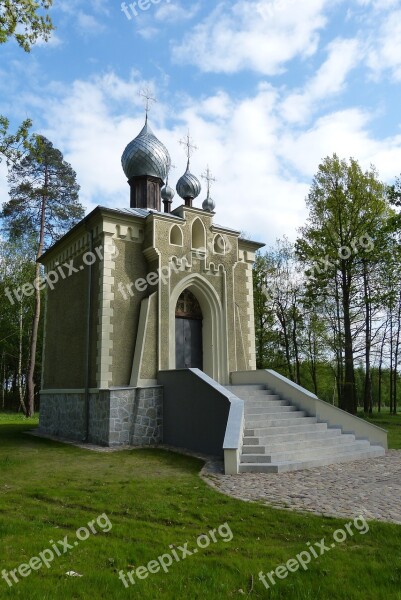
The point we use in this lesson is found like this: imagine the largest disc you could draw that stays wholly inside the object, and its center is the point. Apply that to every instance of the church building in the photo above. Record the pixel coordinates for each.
(151, 289)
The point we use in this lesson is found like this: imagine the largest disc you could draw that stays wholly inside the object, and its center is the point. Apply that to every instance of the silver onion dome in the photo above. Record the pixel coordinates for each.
(188, 186)
(209, 204)
(167, 193)
(146, 155)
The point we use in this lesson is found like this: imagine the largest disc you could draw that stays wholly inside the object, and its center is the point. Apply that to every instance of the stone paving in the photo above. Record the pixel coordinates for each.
(371, 488)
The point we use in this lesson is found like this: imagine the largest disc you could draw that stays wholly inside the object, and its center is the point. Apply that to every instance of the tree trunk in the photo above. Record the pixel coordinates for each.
(339, 348)
(280, 312)
(349, 395)
(20, 386)
(367, 395)
(36, 315)
(3, 380)
(391, 362)
(295, 344)
(396, 355)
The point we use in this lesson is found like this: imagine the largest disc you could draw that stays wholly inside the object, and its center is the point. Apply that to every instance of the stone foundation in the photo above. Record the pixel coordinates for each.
(117, 417)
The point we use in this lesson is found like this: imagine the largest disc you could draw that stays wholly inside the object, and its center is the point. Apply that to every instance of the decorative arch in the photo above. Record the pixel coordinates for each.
(198, 235)
(215, 351)
(176, 237)
(219, 244)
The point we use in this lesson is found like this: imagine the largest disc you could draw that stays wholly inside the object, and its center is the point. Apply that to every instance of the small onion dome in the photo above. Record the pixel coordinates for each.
(209, 204)
(188, 186)
(146, 155)
(167, 193)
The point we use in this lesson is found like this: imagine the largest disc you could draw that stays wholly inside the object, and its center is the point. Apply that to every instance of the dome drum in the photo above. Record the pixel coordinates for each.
(145, 192)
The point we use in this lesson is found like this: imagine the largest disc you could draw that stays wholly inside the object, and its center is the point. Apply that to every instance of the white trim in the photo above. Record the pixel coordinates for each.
(141, 340)
(104, 359)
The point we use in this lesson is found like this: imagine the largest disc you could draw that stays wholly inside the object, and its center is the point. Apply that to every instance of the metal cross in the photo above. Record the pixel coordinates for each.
(207, 175)
(190, 146)
(146, 93)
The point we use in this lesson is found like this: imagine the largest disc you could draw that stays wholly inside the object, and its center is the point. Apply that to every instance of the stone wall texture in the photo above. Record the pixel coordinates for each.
(117, 417)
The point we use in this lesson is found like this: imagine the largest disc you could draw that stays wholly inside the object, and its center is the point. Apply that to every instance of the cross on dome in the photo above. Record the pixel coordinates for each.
(187, 141)
(207, 175)
(146, 94)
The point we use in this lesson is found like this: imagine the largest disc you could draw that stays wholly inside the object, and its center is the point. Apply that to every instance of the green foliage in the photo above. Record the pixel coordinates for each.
(41, 180)
(24, 21)
(328, 311)
(14, 145)
(17, 267)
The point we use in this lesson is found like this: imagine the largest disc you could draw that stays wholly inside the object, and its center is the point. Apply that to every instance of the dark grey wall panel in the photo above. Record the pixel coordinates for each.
(195, 410)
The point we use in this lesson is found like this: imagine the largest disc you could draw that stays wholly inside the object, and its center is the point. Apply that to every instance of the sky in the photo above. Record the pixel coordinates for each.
(266, 88)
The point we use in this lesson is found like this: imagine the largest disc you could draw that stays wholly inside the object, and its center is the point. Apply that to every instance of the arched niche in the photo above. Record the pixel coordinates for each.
(198, 235)
(176, 237)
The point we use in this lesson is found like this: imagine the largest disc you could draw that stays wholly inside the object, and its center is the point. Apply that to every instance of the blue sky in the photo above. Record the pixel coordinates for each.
(267, 88)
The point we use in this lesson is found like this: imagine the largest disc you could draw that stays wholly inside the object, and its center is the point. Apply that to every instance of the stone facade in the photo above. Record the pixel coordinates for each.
(117, 417)
(63, 414)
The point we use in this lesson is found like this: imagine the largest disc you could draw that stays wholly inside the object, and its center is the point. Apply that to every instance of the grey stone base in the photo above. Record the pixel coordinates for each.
(117, 417)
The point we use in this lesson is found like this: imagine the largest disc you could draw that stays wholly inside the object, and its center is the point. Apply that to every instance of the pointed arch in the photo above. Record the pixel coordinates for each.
(215, 349)
(198, 235)
(176, 237)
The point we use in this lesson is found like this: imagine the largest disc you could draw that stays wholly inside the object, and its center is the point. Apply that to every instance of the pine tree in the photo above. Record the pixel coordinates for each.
(43, 203)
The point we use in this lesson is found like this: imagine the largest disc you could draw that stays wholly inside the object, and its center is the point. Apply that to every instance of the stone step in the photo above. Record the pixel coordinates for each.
(268, 409)
(253, 449)
(300, 427)
(278, 420)
(373, 452)
(256, 395)
(325, 438)
(246, 389)
(351, 446)
(293, 438)
(266, 402)
(275, 414)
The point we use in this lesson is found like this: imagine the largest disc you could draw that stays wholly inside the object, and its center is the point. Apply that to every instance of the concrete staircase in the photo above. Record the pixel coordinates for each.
(278, 437)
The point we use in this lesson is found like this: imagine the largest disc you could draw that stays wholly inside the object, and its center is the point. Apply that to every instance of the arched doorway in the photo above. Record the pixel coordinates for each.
(188, 332)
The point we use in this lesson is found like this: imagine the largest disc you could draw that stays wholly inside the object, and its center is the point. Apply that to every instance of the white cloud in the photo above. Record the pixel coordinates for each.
(148, 33)
(379, 5)
(347, 134)
(88, 24)
(175, 13)
(262, 35)
(329, 80)
(386, 47)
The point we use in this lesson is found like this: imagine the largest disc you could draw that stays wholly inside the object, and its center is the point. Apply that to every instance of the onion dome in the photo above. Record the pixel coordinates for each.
(188, 186)
(209, 204)
(167, 193)
(146, 156)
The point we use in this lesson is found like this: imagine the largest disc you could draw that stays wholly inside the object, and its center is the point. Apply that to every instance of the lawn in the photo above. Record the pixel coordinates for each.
(154, 499)
(390, 422)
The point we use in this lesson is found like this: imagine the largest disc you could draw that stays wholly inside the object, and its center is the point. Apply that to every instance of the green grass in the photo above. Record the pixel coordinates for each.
(155, 498)
(390, 422)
